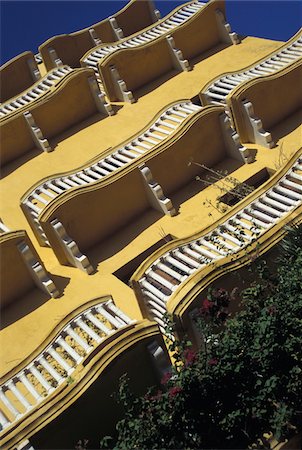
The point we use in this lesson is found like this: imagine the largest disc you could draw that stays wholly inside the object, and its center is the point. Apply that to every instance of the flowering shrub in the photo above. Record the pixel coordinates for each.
(246, 382)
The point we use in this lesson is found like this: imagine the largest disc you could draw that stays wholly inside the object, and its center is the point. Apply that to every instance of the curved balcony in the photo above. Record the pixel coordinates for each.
(39, 89)
(217, 90)
(65, 365)
(17, 75)
(184, 34)
(22, 271)
(75, 97)
(157, 132)
(164, 281)
(260, 107)
(69, 222)
(69, 48)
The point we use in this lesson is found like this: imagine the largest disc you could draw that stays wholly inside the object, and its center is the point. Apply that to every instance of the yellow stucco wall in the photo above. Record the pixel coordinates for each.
(115, 223)
(85, 141)
(15, 76)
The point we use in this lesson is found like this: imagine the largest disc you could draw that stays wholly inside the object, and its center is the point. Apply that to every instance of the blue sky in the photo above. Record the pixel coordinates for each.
(26, 24)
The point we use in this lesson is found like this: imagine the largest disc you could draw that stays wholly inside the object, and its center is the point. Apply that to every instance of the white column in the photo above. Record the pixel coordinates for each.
(108, 316)
(61, 341)
(110, 305)
(60, 360)
(69, 330)
(79, 322)
(23, 379)
(98, 323)
(9, 405)
(40, 378)
(50, 369)
(13, 388)
(3, 421)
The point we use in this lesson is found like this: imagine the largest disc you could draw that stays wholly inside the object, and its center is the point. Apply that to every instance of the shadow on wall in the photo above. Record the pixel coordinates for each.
(29, 302)
(14, 165)
(288, 125)
(194, 187)
(119, 240)
(80, 126)
(95, 413)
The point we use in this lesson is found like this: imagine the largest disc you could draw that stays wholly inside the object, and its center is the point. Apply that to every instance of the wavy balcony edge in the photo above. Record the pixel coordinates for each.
(284, 46)
(111, 29)
(124, 333)
(179, 295)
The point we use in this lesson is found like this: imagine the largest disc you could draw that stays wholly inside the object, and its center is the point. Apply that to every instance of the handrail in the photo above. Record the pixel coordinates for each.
(168, 42)
(162, 127)
(254, 119)
(102, 51)
(216, 90)
(171, 268)
(18, 74)
(43, 374)
(111, 29)
(44, 85)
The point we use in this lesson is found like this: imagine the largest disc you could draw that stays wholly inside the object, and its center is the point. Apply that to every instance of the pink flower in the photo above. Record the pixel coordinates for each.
(174, 391)
(213, 362)
(190, 357)
(206, 307)
(157, 396)
(166, 378)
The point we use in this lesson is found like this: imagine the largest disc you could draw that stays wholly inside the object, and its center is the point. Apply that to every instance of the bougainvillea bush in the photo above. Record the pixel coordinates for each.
(245, 381)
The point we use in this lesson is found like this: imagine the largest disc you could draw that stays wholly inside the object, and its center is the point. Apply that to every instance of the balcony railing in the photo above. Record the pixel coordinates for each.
(168, 272)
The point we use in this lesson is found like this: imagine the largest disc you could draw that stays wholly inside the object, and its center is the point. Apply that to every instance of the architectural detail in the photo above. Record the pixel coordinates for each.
(40, 141)
(172, 269)
(70, 248)
(159, 356)
(164, 27)
(155, 193)
(115, 28)
(37, 271)
(35, 92)
(179, 61)
(99, 97)
(121, 90)
(94, 37)
(34, 69)
(3, 228)
(218, 90)
(25, 445)
(226, 33)
(91, 203)
(55, 364)
(254, 127)
(56, 61)
(232, 141)
(155, 13)
(164, 126)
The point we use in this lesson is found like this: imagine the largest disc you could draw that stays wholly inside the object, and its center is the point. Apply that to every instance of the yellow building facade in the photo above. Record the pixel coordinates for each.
(119, 144)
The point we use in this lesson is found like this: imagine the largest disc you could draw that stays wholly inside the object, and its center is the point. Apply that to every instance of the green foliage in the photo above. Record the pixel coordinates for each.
(245, 381)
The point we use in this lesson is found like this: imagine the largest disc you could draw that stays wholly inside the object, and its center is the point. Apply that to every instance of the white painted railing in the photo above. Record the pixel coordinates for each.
(55, 365)
(44, 85)
(166, 124)
(172, 269)
(182, 15)
(217, 92)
